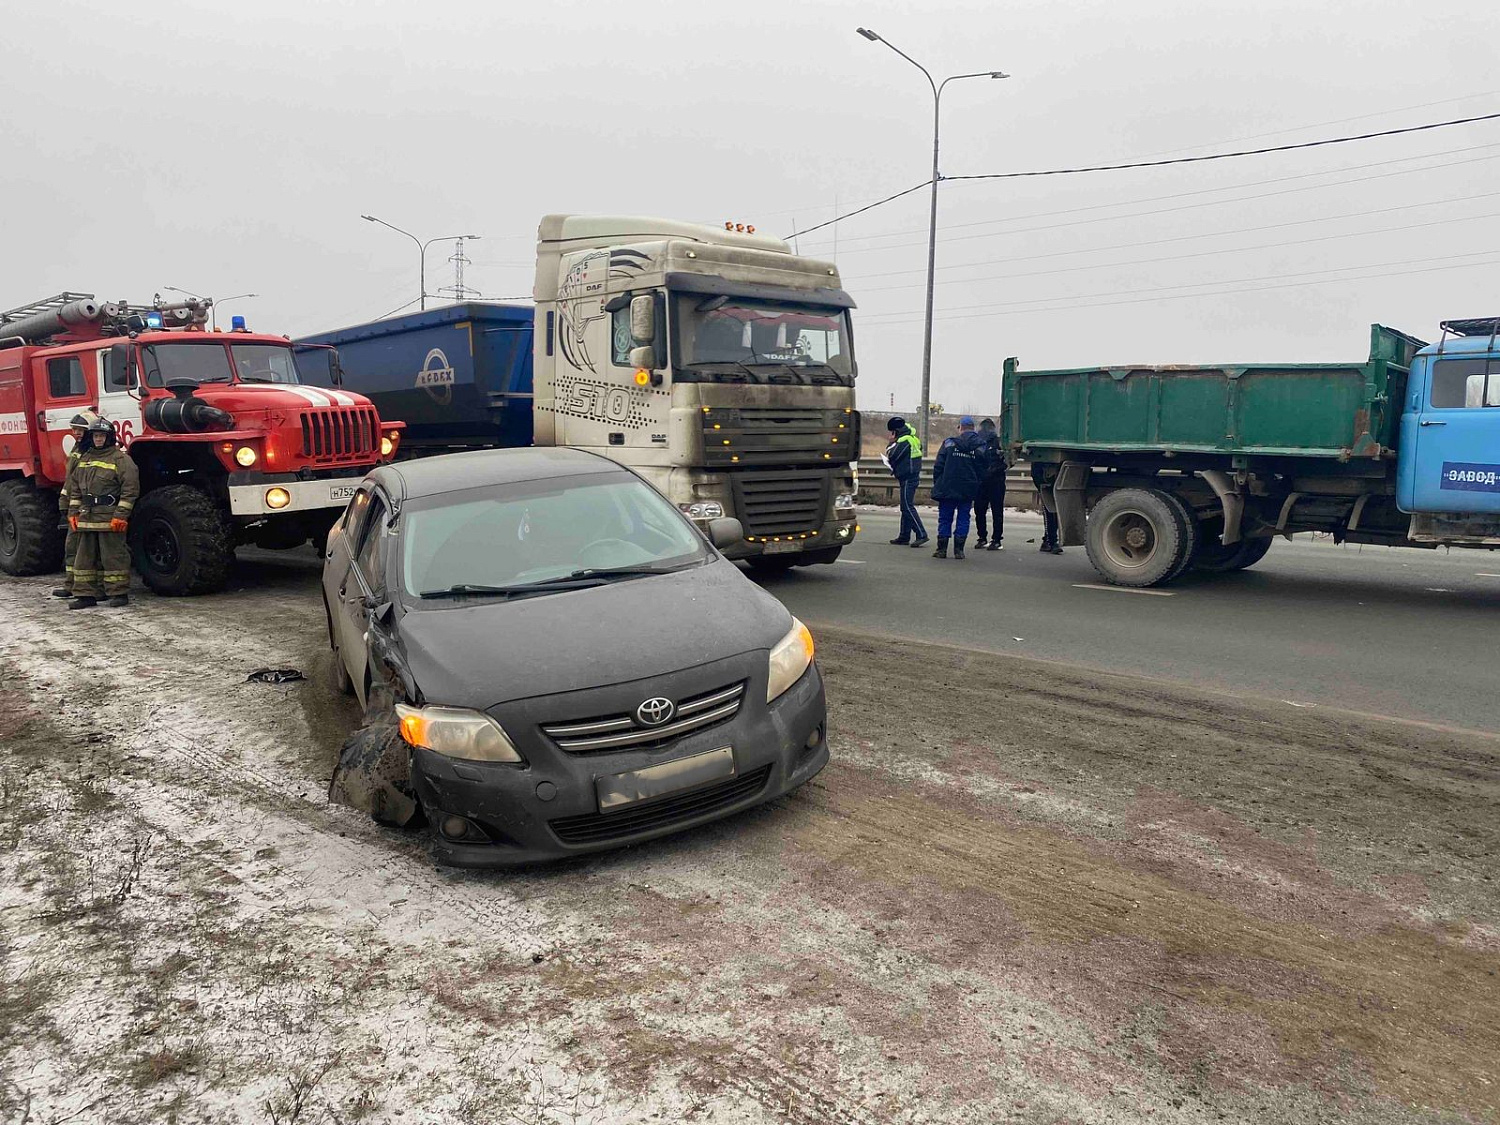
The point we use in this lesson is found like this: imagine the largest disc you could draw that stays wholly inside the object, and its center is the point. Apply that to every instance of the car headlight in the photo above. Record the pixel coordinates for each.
(702, 510)
(844, 502)
(456, 733)
(789, 659)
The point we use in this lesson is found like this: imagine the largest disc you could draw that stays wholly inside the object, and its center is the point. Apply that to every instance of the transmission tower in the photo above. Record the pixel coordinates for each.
(458, 289)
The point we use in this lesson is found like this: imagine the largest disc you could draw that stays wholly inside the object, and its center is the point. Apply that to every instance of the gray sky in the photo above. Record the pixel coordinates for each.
(232, 147)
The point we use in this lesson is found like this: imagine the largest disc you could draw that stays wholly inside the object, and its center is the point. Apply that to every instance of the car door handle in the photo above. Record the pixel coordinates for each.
(1430, 422)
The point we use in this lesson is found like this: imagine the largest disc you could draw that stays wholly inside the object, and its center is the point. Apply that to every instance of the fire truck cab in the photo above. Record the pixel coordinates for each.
(232, 449)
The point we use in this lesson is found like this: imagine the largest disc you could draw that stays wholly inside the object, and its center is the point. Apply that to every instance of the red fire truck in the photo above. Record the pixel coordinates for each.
(232, 448)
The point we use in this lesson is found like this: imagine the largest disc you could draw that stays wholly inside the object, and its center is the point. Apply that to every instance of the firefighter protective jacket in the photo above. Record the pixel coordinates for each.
(102, 485)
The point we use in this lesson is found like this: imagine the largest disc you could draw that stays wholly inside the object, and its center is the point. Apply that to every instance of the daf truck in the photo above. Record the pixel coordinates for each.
(714, 362)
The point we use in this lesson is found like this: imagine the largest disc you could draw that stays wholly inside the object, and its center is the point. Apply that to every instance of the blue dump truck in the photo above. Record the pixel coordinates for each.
(1156, 470)
(715, 363)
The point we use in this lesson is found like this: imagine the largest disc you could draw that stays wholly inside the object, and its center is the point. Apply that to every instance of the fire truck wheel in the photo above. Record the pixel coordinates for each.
(29, 540)
(181, 542)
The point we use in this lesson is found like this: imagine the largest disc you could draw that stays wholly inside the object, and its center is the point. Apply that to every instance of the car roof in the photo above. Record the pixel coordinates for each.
(454, 472)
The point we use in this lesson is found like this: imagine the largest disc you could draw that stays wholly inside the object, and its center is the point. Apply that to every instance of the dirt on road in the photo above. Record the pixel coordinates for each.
(1019, 892)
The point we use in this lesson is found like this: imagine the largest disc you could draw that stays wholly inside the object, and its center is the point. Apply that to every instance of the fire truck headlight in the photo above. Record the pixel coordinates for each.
(244, 456)
(387, 446)
(277, 498)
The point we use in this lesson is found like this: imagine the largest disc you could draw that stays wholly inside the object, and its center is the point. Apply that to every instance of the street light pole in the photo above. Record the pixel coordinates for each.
(937, 176)
(421, 252)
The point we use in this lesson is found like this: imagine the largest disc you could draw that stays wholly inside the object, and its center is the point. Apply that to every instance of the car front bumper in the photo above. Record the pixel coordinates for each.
(549, 807)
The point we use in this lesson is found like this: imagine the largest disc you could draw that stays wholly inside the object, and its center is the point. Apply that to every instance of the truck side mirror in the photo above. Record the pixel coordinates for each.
(335, 369)
(644, 358)
(726, 531)
(643, 320)
(122, 365)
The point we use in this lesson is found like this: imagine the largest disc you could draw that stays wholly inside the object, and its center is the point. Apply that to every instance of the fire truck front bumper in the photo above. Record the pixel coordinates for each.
(272, 494)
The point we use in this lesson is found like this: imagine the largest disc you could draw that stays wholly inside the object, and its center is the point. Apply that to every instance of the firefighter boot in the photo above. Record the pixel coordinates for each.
(942, 549)
(83, 602)
(62, 592)
(119, 601)
(958, 546)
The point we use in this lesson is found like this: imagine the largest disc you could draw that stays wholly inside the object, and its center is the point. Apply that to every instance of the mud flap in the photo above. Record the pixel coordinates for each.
(374, 774)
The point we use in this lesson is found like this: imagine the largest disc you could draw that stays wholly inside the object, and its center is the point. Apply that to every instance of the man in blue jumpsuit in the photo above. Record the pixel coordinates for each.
(960, 466)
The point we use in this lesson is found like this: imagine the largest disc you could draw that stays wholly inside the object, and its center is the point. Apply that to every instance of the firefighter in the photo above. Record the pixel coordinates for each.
(80, 426)
(102, 489)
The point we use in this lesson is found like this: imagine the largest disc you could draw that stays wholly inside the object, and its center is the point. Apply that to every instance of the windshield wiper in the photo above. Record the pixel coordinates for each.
(550, 586)
(624, 571)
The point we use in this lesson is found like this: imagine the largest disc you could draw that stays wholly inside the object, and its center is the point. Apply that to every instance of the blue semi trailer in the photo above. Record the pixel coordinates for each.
(716, 363)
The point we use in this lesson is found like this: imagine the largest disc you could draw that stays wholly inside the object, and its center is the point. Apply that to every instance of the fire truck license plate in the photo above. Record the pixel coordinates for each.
(341, 491)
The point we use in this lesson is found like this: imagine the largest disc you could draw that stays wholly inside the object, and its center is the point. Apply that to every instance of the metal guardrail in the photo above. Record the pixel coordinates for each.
(877, 486)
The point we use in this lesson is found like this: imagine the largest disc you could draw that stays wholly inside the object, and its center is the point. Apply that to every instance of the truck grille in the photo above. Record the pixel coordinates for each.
(340, 433)
(625, 732)
(780, 503)
(746, 436)
(594, 828)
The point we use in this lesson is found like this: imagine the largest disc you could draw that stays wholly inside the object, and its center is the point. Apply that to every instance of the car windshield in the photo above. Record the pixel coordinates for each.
(747, 331)
(264, 363)
(165, 364)
(540, 532)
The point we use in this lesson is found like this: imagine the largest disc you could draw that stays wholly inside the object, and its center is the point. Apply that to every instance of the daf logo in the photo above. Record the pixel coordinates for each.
(654, 712)
(436, 377)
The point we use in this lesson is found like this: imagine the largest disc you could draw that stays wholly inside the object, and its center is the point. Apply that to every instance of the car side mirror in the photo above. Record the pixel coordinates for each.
(726, 531)
(643, 320)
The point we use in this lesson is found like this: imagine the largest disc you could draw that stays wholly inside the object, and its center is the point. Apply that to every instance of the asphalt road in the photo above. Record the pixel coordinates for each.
(1403, 633)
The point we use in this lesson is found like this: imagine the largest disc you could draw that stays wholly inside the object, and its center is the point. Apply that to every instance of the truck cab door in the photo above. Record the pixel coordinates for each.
(1450, 436)
(62, 387)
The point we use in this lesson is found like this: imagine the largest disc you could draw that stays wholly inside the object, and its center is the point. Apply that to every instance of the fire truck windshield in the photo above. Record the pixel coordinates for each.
(264, 363)
(165, 364)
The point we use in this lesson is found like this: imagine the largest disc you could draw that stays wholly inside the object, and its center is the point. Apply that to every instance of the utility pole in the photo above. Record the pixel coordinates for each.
(459, 290)
(421, 252)
(937, 98)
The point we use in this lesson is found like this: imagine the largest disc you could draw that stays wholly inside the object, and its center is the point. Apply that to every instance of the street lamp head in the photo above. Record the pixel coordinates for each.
(998, 74)
(868, 34)
(369, 218)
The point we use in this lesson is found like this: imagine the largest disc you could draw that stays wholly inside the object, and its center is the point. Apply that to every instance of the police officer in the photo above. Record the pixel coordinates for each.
(960, 466)
(80, 426)
(904, 458)
(991, 496)
(102, 489)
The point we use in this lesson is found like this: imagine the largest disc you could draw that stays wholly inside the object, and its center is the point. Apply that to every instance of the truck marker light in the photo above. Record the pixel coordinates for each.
(726, 441)
(826, 456)
(642, 377)
(277, 498)
(716, 425)
(835, 441)
(227, 447)
(244, 456)
(734, 456)
(705, 410)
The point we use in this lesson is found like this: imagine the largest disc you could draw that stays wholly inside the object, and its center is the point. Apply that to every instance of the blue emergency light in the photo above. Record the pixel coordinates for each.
(237, 324)
(153, 320)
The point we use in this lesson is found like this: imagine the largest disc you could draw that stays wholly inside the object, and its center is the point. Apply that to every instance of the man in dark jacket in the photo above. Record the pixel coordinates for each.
(991, 488)
(1050, 544)
(960, 466)
(904, 457)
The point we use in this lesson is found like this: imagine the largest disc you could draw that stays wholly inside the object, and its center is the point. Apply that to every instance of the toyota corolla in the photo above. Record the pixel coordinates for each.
(554, 660)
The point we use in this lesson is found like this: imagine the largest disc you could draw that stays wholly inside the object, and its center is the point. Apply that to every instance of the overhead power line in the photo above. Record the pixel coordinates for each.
(1324, 142)
(1070, 305)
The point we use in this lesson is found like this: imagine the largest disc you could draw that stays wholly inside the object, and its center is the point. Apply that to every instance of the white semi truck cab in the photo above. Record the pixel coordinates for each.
(715, 362)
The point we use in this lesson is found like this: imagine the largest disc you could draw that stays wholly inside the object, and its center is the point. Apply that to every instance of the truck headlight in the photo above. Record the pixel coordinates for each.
(387, 445)
(702, 510)
(844, 503)
(244, 456)
(789, 659)
(456, 733)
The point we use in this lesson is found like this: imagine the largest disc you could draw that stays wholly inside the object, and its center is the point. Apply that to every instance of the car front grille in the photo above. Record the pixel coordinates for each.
(626, 732)
(595, 828)
(780, 503)
(340, 433)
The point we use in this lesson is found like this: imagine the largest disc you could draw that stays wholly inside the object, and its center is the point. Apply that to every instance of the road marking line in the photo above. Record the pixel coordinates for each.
(1122, 589)
(850, 562)
(1482, 574)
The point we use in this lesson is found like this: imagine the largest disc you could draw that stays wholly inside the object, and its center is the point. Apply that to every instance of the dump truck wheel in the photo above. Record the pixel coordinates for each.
(1191, 528)
(181, 542)
(1215, 558)
(1137, 537)
(30, 542)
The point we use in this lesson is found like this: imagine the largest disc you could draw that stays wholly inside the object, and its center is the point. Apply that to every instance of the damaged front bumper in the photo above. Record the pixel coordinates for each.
(557, 803)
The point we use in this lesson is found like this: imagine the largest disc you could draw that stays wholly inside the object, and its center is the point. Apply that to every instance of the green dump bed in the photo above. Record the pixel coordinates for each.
(1337, 410)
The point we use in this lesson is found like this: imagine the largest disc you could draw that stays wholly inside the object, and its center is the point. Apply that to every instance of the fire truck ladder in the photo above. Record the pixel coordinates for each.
(46, 305)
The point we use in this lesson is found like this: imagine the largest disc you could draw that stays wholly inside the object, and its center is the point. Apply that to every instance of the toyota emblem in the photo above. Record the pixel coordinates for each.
(654, 712)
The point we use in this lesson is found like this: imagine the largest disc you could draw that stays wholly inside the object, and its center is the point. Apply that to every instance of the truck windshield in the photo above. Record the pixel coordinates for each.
(264, 363)
(748, 331)
(165, 364)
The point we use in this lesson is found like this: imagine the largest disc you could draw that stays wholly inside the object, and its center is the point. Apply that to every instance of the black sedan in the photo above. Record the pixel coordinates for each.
(554, 660)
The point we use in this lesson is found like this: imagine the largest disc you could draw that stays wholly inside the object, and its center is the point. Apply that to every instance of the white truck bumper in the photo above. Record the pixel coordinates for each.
(304, 496)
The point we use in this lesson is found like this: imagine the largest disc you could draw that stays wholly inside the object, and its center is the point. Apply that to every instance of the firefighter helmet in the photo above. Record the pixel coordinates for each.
(103, 426)
(83, 420)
